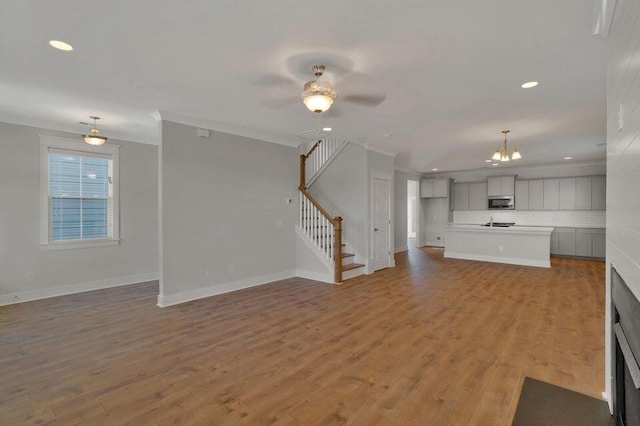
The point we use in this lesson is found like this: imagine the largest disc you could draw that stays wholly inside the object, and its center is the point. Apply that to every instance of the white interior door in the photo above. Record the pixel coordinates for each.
(381, 223)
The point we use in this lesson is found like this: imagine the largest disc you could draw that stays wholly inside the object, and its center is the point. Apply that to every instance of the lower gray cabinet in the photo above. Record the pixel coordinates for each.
(567, 243)
(554, 243)
(582, 242)
(599, 246)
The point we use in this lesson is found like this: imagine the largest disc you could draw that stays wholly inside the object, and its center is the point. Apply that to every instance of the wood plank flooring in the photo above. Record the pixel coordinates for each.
(432, 341)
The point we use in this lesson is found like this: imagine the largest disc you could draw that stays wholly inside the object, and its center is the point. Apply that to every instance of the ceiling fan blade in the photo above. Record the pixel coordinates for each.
(279, 103)
(275, 80)
(364, 100)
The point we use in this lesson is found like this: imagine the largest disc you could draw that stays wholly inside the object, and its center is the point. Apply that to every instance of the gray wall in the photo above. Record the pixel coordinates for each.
(342, 190)
(437, 217)
(623, 151)
(225, 216)
(25, 268)
(400, 209)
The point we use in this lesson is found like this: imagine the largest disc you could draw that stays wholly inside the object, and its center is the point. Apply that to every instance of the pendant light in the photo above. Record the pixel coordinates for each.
(93, 138)
(502, 153)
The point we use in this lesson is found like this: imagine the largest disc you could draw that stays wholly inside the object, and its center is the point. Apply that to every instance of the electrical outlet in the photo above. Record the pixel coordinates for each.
(438, 238)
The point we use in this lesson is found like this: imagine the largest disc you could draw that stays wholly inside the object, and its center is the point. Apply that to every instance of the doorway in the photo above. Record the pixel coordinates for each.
(381, 220)
(412, 213)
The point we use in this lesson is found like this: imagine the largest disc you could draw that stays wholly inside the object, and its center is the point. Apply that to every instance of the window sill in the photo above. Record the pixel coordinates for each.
(62, 245)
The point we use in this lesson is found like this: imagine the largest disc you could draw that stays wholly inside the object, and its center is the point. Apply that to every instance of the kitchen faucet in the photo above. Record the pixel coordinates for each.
(491, 221)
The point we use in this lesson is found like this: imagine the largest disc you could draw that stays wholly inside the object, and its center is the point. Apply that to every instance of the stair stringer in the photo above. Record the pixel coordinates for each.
(326, 164)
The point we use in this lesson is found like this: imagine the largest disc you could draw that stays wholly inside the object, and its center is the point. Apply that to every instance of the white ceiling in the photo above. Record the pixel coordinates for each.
(451, 71)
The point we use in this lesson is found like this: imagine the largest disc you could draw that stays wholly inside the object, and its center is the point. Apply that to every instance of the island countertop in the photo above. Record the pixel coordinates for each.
(513, 228)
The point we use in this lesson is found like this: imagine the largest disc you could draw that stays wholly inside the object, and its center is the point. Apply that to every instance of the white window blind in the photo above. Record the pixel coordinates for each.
(79, 194)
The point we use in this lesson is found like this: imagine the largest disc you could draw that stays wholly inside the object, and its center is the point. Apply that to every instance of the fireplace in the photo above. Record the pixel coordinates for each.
(626, 339)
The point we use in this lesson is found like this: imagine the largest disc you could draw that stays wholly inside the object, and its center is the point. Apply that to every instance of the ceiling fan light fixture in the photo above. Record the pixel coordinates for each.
(93, 138)
(318, 103)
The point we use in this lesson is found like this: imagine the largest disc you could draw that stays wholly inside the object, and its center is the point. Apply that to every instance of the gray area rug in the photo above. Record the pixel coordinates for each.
(543, 404)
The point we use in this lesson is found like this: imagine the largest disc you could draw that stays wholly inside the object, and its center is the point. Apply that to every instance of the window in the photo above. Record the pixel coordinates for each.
(79, 193)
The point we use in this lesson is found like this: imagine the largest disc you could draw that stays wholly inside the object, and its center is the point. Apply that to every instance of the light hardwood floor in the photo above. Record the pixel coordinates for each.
(432, 341)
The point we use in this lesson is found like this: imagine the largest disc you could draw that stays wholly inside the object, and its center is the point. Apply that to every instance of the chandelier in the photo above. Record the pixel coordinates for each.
(502, 153)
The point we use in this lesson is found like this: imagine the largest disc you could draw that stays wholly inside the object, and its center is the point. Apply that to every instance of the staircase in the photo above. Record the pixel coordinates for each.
(322, 230)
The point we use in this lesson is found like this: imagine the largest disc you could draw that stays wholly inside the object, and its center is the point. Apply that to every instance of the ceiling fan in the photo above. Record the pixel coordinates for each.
(319, 94)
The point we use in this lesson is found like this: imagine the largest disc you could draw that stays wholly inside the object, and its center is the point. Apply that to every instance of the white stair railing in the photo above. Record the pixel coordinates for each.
(317, 227)
(317, 157)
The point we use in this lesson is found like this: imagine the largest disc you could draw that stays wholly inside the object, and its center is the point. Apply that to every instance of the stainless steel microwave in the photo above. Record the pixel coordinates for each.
(501, 203)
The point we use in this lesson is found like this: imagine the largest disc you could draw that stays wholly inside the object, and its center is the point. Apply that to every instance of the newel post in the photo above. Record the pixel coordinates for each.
(337, 227)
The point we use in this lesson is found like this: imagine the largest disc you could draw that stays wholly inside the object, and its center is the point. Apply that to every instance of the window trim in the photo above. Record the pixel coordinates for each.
(65, 144)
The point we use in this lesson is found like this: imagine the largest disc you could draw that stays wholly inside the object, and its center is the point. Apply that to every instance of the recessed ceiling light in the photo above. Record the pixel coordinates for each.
(434, 169)
(327, 129)
(568, 158)
(494, 164)
(529, 84)
(487, 161)
(61, 45)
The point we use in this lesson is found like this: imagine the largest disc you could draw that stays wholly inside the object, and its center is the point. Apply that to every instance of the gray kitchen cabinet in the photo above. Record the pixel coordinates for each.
(507, 185)
(522, 195)
(426, 188)
(536, 194)
(583, 193)
(567, 188)
(598, 193)
(461, 196)
(441, 187)
(599, 246)
(434, 188)
(493, 188)
(567, 243)
(583, 243)
(500, 185)
(554, 243)
(478, 196)
(551, 194)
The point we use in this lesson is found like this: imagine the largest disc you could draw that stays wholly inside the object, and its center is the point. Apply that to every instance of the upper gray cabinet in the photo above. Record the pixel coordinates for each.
(551, 194)
(434, 188)
(581, 193)
(501, 185)
(461, 196)
(568, 194)
(536, 195)
(522, 195)
(478, 196)
(598, 193)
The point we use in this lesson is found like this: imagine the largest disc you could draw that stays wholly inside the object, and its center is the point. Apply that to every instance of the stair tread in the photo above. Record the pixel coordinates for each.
(347, 255)
(352, 266)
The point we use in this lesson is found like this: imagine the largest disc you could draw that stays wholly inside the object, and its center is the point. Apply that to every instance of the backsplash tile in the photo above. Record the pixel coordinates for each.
(569, 218)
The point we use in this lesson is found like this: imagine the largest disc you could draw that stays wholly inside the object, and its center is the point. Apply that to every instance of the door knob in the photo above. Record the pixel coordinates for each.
(375, 229)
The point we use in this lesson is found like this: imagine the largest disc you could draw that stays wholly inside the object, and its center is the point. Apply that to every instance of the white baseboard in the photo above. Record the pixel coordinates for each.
(214, 290)
(607, 398)
(434, 243)
(26, 296)
(401, 249)
(495, 259)
(315, 276)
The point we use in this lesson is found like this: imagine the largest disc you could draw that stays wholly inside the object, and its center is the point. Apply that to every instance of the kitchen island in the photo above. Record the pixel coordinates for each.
(517, 245)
